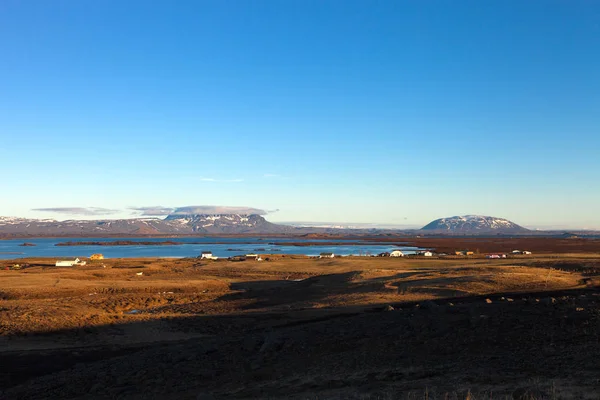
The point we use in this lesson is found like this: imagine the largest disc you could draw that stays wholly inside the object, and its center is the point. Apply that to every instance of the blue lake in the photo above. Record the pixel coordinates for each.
(220, 247)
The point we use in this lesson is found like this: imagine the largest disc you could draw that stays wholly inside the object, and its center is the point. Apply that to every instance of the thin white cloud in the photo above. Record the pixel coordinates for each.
(212, 210)
(152, 211)
(272, 176)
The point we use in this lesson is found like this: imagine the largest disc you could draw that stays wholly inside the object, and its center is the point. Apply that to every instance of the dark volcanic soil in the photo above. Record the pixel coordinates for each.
(350, 328)
(544, 342)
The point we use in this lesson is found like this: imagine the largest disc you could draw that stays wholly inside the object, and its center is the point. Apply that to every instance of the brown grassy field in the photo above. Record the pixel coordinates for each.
(296, 327)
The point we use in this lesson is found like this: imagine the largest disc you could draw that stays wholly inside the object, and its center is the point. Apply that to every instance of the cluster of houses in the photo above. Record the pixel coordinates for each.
(72, 262)
(208, 255)
(503, 255)
(429, 253)
(393, 253)
(398, 253)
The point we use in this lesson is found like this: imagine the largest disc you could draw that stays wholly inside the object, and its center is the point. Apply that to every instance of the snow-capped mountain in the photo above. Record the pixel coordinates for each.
(225, 223)
(474, 224)
(172, 224)
(17, 220)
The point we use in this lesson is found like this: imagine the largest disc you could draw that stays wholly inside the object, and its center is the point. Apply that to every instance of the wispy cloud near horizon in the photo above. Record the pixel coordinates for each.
(155, 211)
(152, 211)
(90, 211)
(218, 210)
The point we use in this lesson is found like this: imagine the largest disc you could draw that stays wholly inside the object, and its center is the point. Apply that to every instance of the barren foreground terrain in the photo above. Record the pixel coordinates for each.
(300, 328)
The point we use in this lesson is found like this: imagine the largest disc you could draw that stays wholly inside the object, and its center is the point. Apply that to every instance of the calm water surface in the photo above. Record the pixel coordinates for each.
(45, 247)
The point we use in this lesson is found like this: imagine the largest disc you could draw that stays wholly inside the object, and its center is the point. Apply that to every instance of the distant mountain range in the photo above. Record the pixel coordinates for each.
(217, 224)
(474, 225)
(172, 224)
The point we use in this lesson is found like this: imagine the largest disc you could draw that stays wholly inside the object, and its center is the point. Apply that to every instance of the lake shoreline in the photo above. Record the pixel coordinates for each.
(174, 243)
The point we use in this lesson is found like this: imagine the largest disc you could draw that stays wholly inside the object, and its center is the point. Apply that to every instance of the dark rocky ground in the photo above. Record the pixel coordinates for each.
(533, 345)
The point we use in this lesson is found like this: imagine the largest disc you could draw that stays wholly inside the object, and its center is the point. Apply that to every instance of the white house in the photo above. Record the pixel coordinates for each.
(208, 255)
(326, 255)
(69, 263)
(495, 256)
(396, 253)
(526, 252)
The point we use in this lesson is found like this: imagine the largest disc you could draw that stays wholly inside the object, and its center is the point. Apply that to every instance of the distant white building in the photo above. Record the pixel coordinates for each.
(495, 256)
(69, 263)
(326, 255)
(425, 253)
(396, 253)
(207, 255)
(526, 252)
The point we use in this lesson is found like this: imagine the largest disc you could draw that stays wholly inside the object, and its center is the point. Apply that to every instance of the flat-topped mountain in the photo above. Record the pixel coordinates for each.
(176, 224)
(225, 223)
(473, 225)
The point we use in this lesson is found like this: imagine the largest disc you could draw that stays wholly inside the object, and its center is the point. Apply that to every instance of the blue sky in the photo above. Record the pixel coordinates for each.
(391, 112)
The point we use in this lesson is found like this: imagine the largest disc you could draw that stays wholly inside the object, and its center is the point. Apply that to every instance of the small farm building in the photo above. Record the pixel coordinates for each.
(207, 255)
(69, 263)
(396, 253)
(464, 253)
(495, 256)
(326, 255)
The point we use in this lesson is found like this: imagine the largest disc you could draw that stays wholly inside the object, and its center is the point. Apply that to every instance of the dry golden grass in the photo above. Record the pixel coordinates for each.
(291, 327)
(44, 298)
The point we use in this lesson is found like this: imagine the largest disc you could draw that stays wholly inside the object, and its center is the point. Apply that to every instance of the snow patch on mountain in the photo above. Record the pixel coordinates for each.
(17, 220)
(473, 224)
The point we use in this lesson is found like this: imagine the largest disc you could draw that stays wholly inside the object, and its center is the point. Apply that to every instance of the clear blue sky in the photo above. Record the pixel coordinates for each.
(395, 112)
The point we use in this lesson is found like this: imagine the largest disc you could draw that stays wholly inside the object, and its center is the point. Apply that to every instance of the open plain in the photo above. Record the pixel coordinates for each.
(302, 328)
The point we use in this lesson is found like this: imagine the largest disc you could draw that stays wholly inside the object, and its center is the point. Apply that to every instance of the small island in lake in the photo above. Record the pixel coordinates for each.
(27, 244)
(121, 243)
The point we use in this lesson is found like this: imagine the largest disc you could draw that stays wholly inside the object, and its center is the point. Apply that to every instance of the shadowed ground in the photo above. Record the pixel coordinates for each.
(302, 328)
